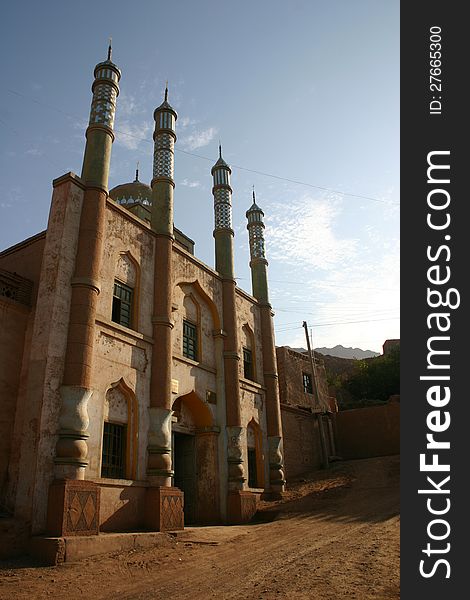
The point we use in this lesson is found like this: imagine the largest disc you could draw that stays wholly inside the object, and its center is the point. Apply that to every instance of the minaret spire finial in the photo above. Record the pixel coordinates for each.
(254, 201)
(110, 49)
(137, 172)
(166, 91)
(220, 150)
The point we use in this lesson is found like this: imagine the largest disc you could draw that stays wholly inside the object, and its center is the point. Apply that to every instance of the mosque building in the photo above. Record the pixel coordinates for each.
(140, 385)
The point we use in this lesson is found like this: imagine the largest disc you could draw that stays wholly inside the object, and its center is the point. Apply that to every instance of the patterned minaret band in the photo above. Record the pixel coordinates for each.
(99, 134)
(105, 91)
(258, 262)
(255, 230)
(222, 193)
(164, 138)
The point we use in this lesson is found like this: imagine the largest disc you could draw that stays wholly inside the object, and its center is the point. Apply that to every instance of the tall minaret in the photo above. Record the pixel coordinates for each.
(223, 234)
(163, 183)
(159, 467)
(258, 263)
(99, 134)
(71, 450)
(259, 278)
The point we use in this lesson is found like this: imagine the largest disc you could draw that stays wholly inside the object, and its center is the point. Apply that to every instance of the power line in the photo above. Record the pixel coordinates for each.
(349, 322)
(239, 167)
(326, 284)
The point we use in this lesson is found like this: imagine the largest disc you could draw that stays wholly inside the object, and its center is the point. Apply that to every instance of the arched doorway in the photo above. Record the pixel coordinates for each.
(195, 461)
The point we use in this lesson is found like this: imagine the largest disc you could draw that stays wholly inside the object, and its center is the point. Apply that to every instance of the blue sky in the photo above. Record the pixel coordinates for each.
(307, 91)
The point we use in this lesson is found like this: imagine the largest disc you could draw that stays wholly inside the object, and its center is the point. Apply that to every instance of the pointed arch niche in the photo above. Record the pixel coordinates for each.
(194, 306)
(255, 455)
(120, 418)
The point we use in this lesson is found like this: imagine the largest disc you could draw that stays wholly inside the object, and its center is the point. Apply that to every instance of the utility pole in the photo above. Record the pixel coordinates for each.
(319, 415)
(312, 363)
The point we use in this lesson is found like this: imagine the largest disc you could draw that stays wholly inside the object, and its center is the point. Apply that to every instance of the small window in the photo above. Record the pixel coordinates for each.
(122, 304)
(307, 381)
(114, 451)
(247, 363)
(189, 340)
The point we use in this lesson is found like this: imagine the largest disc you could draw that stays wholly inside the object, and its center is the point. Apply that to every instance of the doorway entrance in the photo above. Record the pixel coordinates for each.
(195, 461)
(184, 466)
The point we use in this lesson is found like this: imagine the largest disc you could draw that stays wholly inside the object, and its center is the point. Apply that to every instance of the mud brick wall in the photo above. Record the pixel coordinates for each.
(368, 432)
(302, 450)
(291, 365)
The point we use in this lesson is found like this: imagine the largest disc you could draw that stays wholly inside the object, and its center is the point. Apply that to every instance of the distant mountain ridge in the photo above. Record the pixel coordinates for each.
(341, 352)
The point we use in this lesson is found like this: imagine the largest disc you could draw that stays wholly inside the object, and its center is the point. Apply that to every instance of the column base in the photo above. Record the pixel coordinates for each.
(273, 494)
(73, 508)
(241, 506)
(164, 509)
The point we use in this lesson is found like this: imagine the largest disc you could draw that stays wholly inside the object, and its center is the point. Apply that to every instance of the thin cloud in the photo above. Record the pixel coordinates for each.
(190, 184)
(354, 306)
(304, 234)
(184, 122)
(198, 138)
(34, 152)
(131, 135)
(129, 105)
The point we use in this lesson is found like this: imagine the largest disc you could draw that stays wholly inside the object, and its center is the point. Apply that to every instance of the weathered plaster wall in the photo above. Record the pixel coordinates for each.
(248, 316)
(207, 478)
(253, 409)
(41, 400)
(123, 354)
(13, 322)
(252, 392)
(25, 259)
(122, 505)
(17, 429)
(128, 237)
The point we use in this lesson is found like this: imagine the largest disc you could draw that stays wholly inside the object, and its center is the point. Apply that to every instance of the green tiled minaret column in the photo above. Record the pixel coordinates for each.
(164, 503)
(159, 467)
(71, 450)
(73, 506)
(259, 277)
(240, 503)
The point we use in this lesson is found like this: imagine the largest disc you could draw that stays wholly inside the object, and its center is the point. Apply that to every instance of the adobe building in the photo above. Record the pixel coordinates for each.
(389, 346)
(307, 412)
(138, 386)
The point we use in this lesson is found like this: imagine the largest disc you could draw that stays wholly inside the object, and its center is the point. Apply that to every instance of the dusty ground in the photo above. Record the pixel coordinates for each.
(335, 536)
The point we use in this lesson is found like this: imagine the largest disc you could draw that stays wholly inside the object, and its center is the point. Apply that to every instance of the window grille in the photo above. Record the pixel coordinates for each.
(189, 340)
(307, 381)
(247, 363)
(122, 304)
(113, 461)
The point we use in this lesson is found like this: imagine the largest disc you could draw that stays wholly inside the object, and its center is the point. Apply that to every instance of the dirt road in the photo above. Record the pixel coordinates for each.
(335, 536)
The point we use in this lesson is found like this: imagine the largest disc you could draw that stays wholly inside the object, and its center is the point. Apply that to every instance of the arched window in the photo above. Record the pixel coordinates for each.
(119, 447)
(124, 310)
(248, 351)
